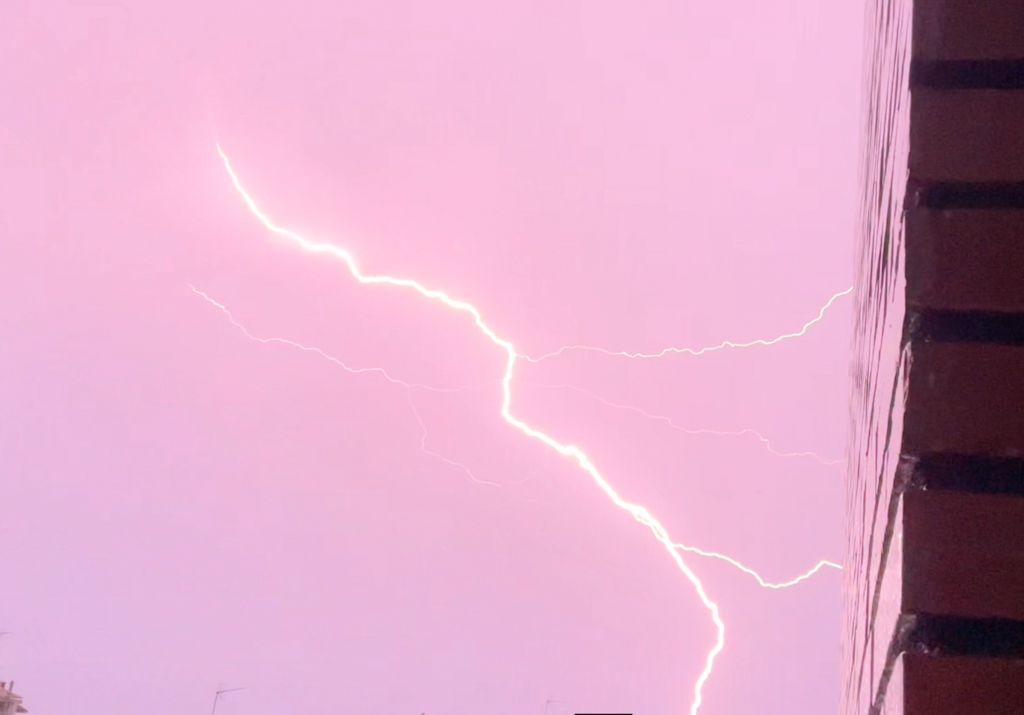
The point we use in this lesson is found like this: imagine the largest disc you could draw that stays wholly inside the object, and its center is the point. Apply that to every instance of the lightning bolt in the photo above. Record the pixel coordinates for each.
(697, 351)
(462, 467)
(639, 513)
(823, 563)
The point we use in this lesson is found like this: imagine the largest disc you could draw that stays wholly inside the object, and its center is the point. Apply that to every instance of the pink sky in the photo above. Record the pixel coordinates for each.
(185, 508)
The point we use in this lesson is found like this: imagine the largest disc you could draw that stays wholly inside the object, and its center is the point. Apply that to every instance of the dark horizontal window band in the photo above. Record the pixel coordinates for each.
(965, 195)
(954, 326)
(955, 636)
(967, 473)
(967, 74)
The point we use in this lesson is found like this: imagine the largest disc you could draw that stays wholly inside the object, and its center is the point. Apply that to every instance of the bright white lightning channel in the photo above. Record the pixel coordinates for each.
(639, 513)
(462, 467)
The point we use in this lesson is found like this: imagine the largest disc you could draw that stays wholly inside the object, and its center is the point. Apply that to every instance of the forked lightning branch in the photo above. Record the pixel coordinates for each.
(576, 454)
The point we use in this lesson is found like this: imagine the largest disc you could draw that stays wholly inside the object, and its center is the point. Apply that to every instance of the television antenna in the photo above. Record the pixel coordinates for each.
(221, 691)
(547, 703)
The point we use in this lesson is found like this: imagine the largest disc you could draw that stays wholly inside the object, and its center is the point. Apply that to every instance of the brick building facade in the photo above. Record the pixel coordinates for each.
(934, 581)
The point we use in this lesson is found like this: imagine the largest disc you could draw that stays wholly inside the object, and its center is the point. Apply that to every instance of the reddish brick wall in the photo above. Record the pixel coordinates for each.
(966, 259)
(968, 30)
(965, 398)
(963, 554)
(962, 686)
(934, 621)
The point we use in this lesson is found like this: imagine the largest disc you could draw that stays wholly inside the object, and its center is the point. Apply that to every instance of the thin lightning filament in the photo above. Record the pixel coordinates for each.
(699, 351)
(722, 433)
(310, 349)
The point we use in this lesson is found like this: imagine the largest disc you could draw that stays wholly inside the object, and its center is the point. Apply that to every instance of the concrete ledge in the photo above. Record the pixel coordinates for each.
(973, 195)
(966, 326)
(963, 555)
(967, 74)
(961, 636)
(946, 471)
